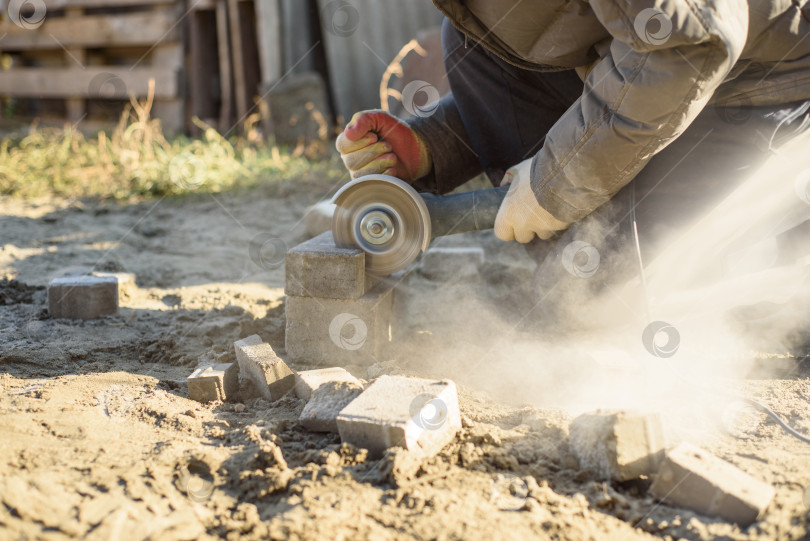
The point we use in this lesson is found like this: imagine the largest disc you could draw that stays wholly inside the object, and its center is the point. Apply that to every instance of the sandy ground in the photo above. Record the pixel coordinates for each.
(99, 440)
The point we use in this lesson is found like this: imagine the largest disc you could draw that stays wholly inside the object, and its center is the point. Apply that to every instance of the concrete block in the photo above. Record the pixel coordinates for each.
(260, 364)
(252, 340)
(125, 279)
(416, 414)
(695, 479)
(339, 331)
(318, 268)
(213, 382)
(619, 446)
(318, 218)
(327, 401)
(309, 380)
(445, 263)
(83, 297)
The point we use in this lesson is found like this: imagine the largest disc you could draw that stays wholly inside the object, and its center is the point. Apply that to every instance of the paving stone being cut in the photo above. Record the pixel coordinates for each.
(445, 263)
(83, 297)
(339, 331)
(695, 479)
(318, 268)
(309, 380)
(327, 401)
(416, 414)
(213, 382)
(260, 364)
(618, 445)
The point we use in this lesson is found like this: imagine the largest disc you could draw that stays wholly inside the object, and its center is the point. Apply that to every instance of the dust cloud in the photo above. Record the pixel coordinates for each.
(724, 295)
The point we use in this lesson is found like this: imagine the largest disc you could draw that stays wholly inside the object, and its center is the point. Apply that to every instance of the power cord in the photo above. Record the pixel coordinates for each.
(790, 430)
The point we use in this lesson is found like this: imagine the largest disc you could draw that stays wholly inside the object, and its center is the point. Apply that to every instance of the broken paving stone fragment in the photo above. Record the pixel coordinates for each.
(213, 382)
(417, 414)
(695, 479)
(83, 297)
(307, 381)
(327, 401)
(620, 445)
(260, 364)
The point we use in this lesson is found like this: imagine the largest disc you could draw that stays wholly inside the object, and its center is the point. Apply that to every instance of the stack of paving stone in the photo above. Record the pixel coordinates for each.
(336, 314)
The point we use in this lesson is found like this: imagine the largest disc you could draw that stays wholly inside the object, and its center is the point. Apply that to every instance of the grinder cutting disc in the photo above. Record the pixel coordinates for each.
(386, 218)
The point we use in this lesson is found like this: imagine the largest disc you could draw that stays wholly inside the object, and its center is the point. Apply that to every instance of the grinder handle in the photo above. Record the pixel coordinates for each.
(464, 212)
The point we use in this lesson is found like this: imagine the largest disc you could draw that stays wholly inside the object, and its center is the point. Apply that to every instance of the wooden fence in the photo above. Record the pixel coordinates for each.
(81, 60)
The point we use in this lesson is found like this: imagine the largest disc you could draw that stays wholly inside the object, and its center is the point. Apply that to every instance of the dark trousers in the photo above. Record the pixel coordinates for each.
(507, 111)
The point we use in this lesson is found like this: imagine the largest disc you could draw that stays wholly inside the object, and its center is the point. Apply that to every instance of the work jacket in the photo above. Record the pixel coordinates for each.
(649, 68)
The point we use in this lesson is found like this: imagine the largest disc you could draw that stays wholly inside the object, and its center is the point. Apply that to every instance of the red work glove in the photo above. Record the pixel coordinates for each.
(377, 142)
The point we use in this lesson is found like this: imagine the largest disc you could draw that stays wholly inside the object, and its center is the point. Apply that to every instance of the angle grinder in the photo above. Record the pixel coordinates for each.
(392, 223)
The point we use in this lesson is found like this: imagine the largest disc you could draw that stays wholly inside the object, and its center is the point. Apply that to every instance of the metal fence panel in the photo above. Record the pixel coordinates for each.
(361, 37)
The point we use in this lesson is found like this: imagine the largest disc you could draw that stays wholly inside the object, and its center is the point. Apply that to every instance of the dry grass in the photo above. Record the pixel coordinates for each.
(136, 160)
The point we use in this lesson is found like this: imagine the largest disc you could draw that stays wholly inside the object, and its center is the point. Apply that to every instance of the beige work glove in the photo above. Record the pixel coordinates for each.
(521, 217)
(377, 142)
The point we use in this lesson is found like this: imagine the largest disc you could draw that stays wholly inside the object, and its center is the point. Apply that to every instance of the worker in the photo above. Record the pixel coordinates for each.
(606, 117)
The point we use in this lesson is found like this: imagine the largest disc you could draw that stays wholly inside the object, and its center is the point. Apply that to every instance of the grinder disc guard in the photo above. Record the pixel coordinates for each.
(386, 218)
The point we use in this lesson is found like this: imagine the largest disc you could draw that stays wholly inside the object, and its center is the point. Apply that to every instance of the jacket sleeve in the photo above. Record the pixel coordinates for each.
(658, 70)
(454, 161)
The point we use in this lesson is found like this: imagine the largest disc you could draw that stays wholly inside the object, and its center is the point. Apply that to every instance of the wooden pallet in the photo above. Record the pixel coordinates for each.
(90, 56)
(224, 49)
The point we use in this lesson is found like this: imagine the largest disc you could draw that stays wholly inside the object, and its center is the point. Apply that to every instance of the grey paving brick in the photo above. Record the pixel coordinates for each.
(213, 382)
(327, 401)
(339, 331)
(309, 380)
(318, 268)
(260, 364)
(693, 478)
(83, 297)
(618, 445)
(417, 414)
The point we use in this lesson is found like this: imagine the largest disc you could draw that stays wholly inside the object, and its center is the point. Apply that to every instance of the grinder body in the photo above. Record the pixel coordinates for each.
(464, 212)
(390, 221)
